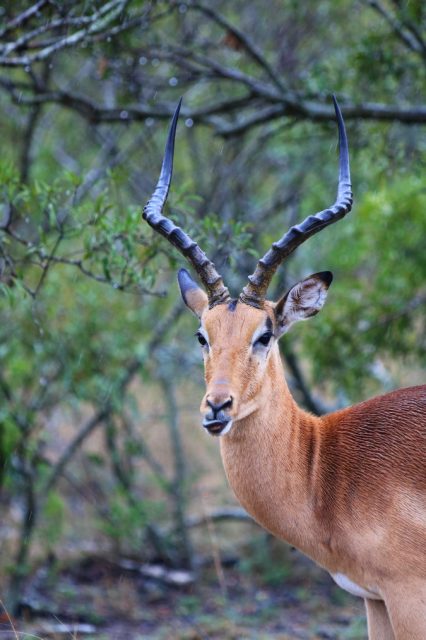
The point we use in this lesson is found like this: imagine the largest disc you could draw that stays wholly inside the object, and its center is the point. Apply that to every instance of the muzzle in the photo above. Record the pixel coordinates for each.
(216, 421)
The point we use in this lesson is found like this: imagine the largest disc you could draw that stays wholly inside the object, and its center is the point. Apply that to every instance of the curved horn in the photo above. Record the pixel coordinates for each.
(255, 291)
(152, 213)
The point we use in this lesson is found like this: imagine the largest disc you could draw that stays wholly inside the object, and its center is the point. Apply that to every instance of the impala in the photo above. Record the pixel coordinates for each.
(349, 488)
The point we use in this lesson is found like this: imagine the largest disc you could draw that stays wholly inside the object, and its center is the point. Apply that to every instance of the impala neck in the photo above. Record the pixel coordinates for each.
(268, 459)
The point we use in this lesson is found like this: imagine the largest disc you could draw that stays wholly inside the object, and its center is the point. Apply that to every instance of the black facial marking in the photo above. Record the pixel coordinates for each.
(232, 305)
(265, 338)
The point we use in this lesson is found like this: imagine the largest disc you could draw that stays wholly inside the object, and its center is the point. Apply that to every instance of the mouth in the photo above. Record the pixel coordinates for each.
(217, 427)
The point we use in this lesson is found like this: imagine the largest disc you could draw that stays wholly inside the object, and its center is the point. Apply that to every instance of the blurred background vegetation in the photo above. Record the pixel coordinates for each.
(102, 459)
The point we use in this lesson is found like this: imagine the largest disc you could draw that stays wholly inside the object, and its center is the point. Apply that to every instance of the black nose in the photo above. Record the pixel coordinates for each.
(219, 407)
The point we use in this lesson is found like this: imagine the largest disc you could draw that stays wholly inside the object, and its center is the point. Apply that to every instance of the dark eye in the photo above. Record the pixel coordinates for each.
(201, 339)
(264, 338)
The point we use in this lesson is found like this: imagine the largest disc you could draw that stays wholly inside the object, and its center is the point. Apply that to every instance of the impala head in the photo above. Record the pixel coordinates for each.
(238, 337)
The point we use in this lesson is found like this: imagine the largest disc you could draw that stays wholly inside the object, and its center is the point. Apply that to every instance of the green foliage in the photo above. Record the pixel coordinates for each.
(53, 521)
(261, 558)
(85, 286)
(375, 311)
(126, 520)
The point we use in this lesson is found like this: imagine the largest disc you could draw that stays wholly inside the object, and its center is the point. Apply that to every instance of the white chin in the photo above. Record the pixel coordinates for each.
(227, 429)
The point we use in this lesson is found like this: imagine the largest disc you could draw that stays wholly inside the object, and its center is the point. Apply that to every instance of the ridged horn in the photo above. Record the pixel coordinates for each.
(254, 292)
(152, 213)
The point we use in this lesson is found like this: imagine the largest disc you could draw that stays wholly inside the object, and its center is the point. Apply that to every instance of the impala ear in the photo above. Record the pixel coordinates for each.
(193, 296)
(303, 301)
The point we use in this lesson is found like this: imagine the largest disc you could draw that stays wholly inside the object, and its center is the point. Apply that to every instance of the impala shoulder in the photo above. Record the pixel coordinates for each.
(402, 406)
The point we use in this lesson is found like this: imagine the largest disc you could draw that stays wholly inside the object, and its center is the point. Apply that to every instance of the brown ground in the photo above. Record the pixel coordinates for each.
(97, 599)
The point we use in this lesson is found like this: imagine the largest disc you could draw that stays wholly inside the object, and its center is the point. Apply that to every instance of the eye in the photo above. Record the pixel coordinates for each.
(264, 338)
(201, 339)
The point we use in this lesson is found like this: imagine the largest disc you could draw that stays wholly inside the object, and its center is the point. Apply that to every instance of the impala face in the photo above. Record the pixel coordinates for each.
(236, 343)
(239, 342)
(238, 337)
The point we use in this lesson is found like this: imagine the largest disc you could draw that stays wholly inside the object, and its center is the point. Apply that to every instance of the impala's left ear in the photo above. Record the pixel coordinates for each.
(304, 300)
(193, 296)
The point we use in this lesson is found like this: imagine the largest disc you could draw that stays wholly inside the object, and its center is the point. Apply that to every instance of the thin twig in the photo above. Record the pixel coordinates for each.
(243, 39)
(120, 386)
(23, 17)
(178, 484)
(99, 20)
(9, 618)
(399, 28)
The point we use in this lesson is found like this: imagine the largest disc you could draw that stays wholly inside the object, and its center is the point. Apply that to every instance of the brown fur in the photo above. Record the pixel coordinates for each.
(348, 489)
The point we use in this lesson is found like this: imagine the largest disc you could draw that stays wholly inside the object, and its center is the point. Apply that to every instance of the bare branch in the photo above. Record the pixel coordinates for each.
(402, 30)
(243, 40)
(145, 452)
(99, 21)
(310, 402)
(316, 111)
(50, 258)
(124, 480)
(225, 514)
(179, 470)
(120, 387)
(23, 17)
(260, 112)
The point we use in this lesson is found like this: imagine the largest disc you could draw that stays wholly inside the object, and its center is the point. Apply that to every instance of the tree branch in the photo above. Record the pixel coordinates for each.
(297, 108)
(402, 30)
(23, 17)
(243, 40)
(99, 21)
(225, 514)
(121, 385)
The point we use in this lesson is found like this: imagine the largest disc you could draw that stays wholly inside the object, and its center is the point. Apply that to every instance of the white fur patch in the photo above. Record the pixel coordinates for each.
(304, 300)
(353, 588)
(227, 429)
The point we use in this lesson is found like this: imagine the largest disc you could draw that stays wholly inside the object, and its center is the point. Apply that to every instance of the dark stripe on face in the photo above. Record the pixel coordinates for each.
(269, 325)
(232, 305)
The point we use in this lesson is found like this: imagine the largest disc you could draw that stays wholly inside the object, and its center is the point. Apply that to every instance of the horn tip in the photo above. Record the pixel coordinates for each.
(178, 106)
(335, 104)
